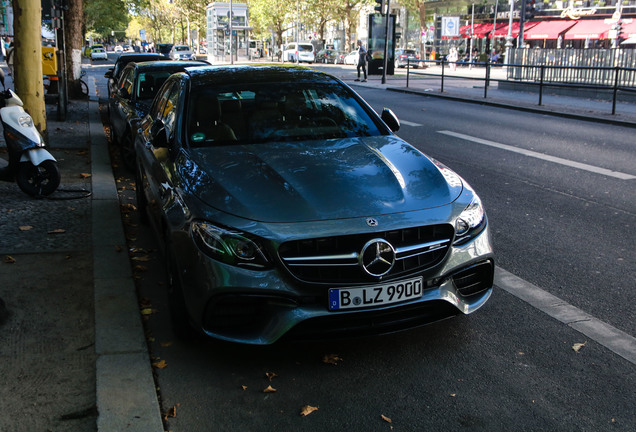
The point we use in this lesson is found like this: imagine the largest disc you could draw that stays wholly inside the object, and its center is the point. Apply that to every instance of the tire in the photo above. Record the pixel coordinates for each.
(128, 154)
(181, 326)
(142, 202)
(41, 180)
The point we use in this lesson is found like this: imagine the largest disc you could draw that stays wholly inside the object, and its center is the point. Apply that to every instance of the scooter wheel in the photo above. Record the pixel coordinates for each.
(38, 180)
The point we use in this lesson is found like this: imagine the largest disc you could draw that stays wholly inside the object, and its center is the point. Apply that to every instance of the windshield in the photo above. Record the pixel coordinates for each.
(256, 113)
(182, 48)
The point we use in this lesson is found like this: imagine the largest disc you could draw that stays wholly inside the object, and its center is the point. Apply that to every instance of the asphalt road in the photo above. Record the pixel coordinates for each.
(565, 229)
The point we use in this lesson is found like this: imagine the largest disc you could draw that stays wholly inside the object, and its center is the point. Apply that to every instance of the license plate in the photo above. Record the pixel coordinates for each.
(375, 295)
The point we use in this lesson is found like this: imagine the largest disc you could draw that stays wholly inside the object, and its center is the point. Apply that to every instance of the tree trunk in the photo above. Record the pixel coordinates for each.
(74, 42)
(27, 60)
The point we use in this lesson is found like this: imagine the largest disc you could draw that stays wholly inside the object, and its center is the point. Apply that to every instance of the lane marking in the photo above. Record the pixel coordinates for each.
(610, 337)
(408, 123)
(530, 153)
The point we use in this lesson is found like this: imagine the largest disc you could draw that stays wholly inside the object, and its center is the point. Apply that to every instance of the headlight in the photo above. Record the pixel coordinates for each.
(470, 222)
(25, 121)
(230, 247)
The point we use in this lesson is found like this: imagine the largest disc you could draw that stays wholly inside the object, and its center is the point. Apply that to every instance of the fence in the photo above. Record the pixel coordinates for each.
(592, 67)
(611, 79)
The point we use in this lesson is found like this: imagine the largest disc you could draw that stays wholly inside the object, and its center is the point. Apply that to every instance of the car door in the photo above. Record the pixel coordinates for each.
(158, 130)
(121, 103)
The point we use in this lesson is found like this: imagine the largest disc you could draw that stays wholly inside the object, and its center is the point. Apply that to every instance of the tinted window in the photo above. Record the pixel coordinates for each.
(275, 112)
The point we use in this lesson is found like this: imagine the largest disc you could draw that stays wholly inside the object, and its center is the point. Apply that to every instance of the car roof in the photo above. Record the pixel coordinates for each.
(256, 73)
(169, 64)
(130, 57)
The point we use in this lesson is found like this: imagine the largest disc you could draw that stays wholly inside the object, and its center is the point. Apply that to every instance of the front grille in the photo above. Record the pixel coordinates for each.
(475, 279)
(335, 260)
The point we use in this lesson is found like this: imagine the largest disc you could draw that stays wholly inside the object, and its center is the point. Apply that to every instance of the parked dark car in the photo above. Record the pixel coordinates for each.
(164, 48)
(330, 56)
(113, 74)
(407, 57)
(130, 102)
(287, 207)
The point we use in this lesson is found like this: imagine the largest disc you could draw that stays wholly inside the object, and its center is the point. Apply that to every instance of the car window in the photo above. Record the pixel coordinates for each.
(126, 79)
(148, 83)
(276, 112)
(305, 48)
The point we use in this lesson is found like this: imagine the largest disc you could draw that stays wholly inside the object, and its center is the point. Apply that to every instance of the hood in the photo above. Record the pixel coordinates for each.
(318, 180)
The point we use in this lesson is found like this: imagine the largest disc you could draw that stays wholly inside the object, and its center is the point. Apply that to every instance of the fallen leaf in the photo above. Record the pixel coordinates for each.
(160, 364)
(333, 359)
(57, 231)
(577, 346)
(307, 409)
(85, 175)
(386, 419)
(271, 375)
(26, 228)
(140, 258)
(166, 344)
(270, 389)
(9, 259)
(453, 394)
(172, 412)
(244, 387)
(148, 311)
(140, 268)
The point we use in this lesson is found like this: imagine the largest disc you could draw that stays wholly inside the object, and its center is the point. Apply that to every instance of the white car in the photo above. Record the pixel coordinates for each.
(182, 52)
(99, 54)
(304, 52)
(352, 58)
(119, 49)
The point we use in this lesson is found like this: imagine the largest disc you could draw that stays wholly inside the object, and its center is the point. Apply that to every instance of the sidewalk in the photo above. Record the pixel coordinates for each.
(73, 355)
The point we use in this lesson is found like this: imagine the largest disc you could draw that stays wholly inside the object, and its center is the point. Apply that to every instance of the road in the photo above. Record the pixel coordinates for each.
(562, 207)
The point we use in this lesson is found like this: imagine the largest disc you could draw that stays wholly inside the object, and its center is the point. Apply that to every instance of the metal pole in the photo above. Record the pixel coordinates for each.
(231, 37)
(509, 36)
(386, 41)
(472, 30)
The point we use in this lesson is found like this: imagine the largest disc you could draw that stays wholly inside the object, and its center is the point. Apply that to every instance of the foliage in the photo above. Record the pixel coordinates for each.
(104, 16)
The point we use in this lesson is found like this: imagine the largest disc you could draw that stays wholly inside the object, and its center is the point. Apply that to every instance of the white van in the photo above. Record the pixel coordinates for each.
(304, 52)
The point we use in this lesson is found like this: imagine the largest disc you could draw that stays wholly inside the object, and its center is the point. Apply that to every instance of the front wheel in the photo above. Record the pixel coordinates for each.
(38, 180)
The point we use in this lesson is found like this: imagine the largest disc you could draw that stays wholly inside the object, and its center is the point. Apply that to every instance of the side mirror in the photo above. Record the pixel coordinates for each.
(158, 135)
(123, 93)
(390, 119)
(109, 73)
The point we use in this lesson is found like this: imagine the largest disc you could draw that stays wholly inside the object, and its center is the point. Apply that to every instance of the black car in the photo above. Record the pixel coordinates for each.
(287, 207)
(113, 74)
(330, 56)
(137, 86)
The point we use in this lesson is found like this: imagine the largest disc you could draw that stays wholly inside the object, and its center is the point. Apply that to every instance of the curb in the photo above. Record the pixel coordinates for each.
(125, 388)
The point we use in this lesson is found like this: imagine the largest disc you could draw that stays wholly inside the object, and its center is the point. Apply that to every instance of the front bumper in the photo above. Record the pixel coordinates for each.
(244, 306)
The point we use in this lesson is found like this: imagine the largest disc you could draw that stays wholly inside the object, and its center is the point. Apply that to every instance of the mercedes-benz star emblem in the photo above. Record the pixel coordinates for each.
(372, 222)
(377, 257)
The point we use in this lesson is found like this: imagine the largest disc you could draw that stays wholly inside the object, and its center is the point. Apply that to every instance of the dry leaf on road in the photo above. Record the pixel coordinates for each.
(271, 375)
(26, 228)
(577, 346)
(386, 419)
(270, 389)
(85, 175)
(160, 364)
(9, 259)
(57, 231)
(307, 409)
(333, 359)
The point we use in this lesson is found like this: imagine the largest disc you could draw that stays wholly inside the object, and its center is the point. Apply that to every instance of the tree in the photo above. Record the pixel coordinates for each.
(104, 16)
(273, 15)
(73, 43)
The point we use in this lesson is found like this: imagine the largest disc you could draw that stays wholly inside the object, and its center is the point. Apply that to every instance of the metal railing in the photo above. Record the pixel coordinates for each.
(612, 79)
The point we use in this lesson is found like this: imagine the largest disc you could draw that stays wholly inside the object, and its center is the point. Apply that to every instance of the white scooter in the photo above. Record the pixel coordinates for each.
(30, 164)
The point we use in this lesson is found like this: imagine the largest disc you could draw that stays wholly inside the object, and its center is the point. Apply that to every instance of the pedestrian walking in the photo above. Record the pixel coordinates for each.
(362, 61)
(452, 58)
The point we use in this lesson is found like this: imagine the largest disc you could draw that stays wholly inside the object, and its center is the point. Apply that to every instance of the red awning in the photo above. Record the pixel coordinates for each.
(502, 32)
(548, 30)
(588, 29)
(629, 29)
(480, 31)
